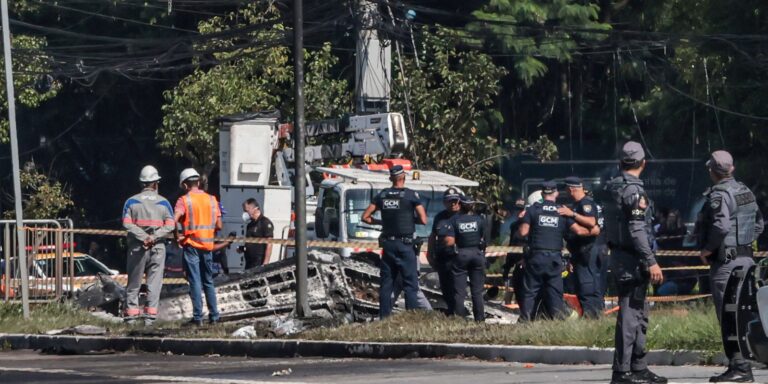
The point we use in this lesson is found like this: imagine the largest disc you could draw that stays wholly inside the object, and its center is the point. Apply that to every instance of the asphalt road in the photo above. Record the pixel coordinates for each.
(30, 367)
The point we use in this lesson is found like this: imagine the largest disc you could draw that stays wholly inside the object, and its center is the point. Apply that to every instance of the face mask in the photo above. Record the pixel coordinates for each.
(246, 217)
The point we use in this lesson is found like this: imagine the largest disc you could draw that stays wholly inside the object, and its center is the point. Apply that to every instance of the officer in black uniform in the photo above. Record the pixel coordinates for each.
(257, 225)
(628, 228)
(584, 253)
(731, 222)
(440, 256)
(464, 232)
(401, 210)
(543, 266)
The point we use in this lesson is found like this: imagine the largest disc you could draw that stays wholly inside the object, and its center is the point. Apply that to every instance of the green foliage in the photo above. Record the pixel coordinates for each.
(518, 27)
(43, 197)
(30, 64)
(447, 96)
(248, 79)
(451, 98)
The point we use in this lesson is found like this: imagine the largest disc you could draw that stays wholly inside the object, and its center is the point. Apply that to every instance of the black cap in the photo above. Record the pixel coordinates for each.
(466, 199)
(452, 194)
(573, 181)
(548, 187)
(397, 170)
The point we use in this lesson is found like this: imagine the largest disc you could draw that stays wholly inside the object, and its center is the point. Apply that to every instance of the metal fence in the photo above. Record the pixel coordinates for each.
(49, 260)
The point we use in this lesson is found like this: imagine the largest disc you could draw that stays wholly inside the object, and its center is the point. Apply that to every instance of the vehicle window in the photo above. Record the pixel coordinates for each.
(331, 205)
(47, 267)
(357, 201)
(87, 267)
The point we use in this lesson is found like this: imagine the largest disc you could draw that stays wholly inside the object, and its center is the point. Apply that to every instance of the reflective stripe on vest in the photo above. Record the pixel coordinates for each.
(199, 229)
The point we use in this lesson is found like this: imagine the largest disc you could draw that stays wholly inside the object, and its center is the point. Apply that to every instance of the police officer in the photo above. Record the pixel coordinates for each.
(401, 210)
(258, 226)
(438, 255)
(630, 237)
(732, 221)
(543, 266)
(584, 253)
(464, 232)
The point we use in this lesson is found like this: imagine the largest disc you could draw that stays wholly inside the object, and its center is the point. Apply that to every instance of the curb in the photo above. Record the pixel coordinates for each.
(341, 349)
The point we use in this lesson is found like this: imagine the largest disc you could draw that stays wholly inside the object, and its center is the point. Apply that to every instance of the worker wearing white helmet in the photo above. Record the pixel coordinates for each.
(199, 216)
(535, 197)
(148, 218)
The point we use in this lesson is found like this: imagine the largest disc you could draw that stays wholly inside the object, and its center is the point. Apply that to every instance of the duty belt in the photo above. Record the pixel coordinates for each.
(731, 253)
(404, 239)
(546, 250)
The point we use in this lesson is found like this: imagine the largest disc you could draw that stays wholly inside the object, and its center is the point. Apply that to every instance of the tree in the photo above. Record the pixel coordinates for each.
(536, 31)
(32, 81)
(43, 197)
(451, 96)
(248, 79)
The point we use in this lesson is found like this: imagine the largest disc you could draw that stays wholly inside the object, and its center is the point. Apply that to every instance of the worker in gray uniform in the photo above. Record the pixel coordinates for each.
(628, 217)
(731, 222)
(148, 218)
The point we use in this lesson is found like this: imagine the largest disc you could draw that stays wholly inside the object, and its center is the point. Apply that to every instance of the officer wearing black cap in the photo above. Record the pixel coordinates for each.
(401, 210)
(545, 229)
(464, 232)
(439, 255)
(629, 234)
(731, 221)
(584, 252)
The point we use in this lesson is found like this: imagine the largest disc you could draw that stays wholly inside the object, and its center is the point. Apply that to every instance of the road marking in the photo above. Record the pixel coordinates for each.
(149, 378)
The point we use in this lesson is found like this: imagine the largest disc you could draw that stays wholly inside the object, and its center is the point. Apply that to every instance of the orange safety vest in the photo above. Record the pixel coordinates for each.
(199, 220)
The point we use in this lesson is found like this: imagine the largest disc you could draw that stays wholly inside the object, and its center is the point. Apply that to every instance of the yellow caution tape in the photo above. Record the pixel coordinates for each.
(359, 246)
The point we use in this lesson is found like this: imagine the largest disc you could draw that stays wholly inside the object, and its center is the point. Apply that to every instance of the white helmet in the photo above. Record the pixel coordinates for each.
(187, 174)
(534, 197)
(149, 174)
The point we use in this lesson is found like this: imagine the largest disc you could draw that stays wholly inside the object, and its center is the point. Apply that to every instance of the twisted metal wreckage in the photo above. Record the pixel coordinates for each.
(340, 288)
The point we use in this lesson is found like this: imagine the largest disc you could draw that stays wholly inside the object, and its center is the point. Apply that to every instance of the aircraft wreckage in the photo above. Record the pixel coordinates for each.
(337, 288)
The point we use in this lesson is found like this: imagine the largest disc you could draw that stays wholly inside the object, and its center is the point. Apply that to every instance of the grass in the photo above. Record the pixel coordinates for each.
(58, 316)
(689, 327)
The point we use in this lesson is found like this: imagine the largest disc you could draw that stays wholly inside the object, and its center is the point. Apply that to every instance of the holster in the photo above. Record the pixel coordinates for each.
(631, 274)
(726, 254)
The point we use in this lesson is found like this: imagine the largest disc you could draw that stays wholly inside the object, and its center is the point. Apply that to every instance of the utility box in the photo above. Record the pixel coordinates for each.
(246, 144)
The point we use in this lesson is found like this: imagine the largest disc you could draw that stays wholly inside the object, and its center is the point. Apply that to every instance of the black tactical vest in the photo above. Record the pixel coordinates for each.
(469, 230)
(396, 213)
(547, 227)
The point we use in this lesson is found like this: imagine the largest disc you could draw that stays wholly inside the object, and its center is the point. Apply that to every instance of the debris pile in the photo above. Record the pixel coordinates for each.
(340, 290)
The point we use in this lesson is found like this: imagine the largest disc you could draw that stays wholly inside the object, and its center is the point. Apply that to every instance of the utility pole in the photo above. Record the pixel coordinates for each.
(373, 69)
(299, 182)
(22, 254)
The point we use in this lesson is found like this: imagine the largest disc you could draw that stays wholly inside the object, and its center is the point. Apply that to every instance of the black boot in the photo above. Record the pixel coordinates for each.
(627, 378)
(650, 377)
(733, 375)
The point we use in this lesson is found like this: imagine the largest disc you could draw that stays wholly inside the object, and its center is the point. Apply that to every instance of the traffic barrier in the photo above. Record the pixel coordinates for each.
(367, 246)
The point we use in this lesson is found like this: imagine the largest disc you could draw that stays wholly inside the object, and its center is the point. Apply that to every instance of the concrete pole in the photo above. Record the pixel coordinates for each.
(22, 254)
(299, 182)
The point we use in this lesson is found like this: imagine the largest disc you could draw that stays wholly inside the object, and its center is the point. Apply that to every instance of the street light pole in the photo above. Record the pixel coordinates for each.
(299, 182)
(22, 254)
